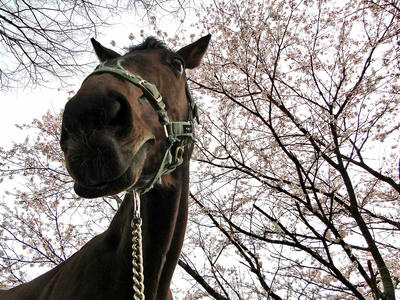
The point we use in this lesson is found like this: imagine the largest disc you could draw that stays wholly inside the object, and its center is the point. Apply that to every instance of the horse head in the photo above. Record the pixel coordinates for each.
(117, 127)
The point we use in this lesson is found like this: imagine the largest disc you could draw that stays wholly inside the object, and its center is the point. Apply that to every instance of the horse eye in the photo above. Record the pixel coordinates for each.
(177, 64)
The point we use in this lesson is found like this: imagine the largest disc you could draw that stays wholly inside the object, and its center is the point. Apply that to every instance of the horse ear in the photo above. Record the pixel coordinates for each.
(102, 52)
(193, 53)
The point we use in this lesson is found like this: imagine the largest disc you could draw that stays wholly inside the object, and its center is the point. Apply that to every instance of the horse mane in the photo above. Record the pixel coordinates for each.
(150, 42)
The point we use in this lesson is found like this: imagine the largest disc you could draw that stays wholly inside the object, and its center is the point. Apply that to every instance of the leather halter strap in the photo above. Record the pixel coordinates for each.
(178, 134)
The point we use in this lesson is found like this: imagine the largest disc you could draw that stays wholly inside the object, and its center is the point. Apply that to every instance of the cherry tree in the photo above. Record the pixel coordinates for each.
(297, 182)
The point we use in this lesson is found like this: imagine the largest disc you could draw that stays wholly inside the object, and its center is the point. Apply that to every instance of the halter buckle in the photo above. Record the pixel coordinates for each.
(158, 99)
(150, 89)
(179, 152)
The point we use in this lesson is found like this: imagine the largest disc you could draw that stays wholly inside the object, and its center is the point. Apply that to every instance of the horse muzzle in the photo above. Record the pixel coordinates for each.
(105, 169)
(94, 138)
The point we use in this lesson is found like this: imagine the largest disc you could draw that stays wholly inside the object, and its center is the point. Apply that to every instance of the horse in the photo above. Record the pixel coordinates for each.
(128, 128)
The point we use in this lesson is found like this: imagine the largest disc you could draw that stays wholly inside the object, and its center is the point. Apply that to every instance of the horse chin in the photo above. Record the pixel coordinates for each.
(122, 183)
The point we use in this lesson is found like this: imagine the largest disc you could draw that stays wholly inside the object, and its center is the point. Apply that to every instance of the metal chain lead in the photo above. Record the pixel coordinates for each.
(137, 254)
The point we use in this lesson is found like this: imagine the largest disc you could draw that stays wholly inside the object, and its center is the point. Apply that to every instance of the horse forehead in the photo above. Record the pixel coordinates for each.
(146, 59)
(149, 62)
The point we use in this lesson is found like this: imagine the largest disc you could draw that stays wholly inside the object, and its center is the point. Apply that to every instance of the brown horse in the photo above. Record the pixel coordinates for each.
(117, 135)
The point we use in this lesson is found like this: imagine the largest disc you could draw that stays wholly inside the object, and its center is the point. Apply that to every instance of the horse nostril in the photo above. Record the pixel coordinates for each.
(120, 116)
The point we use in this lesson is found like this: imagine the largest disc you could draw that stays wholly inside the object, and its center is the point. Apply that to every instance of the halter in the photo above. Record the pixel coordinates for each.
(178, 135)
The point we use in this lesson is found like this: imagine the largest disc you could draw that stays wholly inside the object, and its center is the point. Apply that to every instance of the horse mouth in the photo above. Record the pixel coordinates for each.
(123, 182)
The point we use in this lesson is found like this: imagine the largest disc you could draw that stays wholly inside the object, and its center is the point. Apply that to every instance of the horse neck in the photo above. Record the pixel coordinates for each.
(160, 210)
(164, 213)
